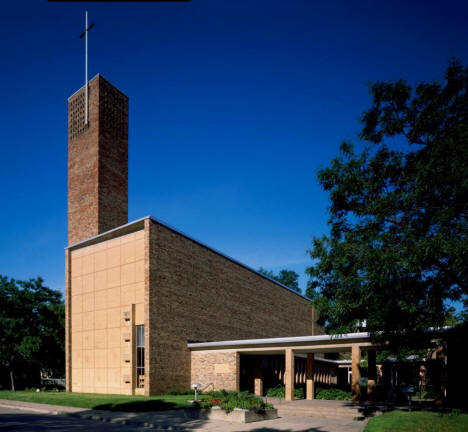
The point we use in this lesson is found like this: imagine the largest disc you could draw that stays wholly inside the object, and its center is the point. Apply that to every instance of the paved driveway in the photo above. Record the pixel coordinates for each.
(13, 419)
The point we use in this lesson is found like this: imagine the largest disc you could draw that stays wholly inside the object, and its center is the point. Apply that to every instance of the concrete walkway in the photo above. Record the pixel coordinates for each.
(333, 409)
(176, 421)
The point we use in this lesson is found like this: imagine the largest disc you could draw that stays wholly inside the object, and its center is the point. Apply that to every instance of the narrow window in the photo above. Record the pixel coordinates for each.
(140, 356)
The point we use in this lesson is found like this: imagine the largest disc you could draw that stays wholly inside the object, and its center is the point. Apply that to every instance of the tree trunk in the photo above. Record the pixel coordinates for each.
(12, 379)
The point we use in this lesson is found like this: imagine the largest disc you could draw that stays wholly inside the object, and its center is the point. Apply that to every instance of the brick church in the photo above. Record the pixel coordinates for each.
(140, 294)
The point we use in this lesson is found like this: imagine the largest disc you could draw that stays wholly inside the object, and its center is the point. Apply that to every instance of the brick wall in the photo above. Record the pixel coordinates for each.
(219, 368)
(97, 161)
(196, 294)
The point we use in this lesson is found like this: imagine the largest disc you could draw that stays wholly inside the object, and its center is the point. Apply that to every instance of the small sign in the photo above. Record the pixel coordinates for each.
(222, 368)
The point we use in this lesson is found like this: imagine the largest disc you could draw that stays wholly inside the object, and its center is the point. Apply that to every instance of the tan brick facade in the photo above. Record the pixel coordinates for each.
(97, 161)
(107, 301)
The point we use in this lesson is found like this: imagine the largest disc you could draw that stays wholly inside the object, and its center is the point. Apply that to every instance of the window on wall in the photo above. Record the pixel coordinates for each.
(140, 356)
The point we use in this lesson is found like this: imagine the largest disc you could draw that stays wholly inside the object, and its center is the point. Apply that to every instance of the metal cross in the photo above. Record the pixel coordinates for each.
(85, 34)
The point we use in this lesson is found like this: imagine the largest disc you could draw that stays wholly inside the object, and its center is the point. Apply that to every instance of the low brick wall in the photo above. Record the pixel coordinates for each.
(219, 368)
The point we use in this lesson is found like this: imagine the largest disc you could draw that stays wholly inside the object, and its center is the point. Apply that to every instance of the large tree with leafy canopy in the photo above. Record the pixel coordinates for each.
(397, 251)
(31, 329)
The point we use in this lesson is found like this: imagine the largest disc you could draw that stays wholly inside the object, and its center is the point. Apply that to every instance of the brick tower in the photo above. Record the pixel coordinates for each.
(97, 161)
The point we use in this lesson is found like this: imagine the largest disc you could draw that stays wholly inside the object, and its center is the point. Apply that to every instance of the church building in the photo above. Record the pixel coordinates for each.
(148, 308)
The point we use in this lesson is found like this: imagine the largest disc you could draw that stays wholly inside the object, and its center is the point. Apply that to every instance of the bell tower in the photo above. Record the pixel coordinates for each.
(97, 160)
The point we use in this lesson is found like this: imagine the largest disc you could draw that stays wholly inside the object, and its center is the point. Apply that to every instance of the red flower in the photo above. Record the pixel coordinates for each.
(254, 402)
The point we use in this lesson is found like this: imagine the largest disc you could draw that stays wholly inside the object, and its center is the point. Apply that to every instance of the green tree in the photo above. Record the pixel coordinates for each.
(397, 248)
(31, 327)
(288, 278)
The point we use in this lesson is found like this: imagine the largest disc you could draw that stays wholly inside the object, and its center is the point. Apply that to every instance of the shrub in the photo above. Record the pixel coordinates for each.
(229, 400)
(280, 392)
(332, 394)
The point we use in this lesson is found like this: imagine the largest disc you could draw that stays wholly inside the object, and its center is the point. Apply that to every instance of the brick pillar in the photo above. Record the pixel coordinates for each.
(289, 374)
(310, 384)
(356, 373)
(371, 375)
(237, 384)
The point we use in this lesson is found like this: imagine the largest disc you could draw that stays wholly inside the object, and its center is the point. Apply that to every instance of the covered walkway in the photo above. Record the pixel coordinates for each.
(289, 347)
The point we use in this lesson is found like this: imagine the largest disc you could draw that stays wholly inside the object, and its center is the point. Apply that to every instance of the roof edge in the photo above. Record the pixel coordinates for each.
(106, 233)
(98, 75)
(158, 221)
(281, 340)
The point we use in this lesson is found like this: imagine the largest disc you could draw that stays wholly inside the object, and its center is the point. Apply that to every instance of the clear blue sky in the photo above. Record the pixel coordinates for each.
(234, 106)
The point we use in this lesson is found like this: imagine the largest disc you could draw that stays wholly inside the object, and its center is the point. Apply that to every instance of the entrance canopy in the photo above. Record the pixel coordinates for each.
(300, 344)
(287, 347)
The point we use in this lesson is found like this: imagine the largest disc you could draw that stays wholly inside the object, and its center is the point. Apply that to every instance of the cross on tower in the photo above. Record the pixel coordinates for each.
(85, 34)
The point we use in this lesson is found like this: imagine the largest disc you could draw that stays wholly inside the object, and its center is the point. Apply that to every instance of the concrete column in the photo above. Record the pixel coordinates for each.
(372, 375)
(289, 374)
(310, 384)
(356, 373)
(258, 386)
(258, 377)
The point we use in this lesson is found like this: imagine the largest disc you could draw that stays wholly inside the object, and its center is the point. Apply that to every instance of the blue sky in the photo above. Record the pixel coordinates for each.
(234, 106)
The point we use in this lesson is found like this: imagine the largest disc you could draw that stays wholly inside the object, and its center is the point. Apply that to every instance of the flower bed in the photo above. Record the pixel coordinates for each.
(229, 400)
(241, 407)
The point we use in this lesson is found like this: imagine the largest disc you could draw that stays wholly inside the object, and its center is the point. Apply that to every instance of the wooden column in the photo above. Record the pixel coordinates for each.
(371, 375)
(356, 373)
(310, 384)
(289, 374)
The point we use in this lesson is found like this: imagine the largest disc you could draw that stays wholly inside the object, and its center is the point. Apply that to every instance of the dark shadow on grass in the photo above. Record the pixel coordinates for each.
(139, 406)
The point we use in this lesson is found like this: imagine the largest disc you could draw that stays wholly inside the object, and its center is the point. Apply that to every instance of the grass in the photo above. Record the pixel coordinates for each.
(422, 421)
(101, 401)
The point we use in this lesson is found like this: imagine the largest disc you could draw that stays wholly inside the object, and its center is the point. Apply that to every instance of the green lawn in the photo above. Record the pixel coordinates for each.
(398, 421)
(101, 401)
